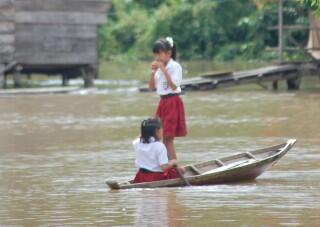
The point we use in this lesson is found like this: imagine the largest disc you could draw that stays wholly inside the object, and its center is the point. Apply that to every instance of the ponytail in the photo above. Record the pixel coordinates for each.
(174, 51)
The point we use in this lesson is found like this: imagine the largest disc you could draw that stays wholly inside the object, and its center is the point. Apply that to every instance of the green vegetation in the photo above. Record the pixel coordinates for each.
(313, 4)
(203, 29)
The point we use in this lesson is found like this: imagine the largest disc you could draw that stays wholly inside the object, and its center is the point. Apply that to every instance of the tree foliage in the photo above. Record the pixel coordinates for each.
(313, 4)
(202, 29)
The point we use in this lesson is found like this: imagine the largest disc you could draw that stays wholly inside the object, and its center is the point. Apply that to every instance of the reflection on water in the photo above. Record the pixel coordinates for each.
(57, 151)
(158, 208)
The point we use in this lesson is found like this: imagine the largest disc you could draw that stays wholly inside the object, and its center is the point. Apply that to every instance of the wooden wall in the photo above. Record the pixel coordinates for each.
(7, 30)
(58, 32)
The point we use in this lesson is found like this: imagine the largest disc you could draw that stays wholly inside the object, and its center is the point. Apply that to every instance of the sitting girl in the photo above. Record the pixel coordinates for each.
(151, 154)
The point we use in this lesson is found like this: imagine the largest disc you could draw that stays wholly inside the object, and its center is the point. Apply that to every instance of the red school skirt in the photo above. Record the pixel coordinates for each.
(171, 113)
(143, 176)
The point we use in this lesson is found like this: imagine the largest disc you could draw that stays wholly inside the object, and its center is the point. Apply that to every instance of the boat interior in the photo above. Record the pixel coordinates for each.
(232, 161)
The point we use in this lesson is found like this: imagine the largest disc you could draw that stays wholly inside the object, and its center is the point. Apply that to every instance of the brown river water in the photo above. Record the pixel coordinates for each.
(57, 151)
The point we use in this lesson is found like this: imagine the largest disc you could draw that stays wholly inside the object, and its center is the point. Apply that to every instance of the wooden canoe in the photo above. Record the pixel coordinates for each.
(235, 168)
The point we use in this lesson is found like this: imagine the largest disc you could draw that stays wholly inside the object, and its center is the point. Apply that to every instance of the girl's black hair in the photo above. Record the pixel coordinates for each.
(149, 128)
(163, 45)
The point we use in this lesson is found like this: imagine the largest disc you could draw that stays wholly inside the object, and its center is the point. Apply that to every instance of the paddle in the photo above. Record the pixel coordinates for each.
(181, 175)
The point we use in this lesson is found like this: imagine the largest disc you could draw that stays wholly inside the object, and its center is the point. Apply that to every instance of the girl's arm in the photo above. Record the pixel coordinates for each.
(170, 164)
(152, 82)
(162, 67)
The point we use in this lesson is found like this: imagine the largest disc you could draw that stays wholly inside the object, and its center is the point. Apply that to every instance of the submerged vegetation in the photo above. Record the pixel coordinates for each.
(203, 29)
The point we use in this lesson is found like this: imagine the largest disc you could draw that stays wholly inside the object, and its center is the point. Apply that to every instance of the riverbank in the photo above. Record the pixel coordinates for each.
(132, 74)
(140, 70)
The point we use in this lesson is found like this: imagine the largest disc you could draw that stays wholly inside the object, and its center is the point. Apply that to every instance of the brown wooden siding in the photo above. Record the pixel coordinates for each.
(58, 32)
(7, 30)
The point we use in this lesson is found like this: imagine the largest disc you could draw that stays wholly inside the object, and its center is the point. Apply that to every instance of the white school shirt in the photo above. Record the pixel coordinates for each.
(150, 156)
(174, 69)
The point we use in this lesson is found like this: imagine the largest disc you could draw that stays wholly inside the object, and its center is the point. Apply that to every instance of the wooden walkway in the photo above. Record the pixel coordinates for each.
(291, 72)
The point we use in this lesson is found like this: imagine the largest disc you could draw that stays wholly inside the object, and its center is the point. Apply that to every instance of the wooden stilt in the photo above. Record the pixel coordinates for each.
(293, 84)
(2, 81)
(65, 79)
(88, 75)
(17, 77)
(2, 76)
(275, 85)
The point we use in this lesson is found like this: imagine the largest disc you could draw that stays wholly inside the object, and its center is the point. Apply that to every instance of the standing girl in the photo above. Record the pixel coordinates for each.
(166, 77)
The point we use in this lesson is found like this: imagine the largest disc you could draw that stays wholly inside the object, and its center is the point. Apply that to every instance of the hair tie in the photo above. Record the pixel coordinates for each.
(170, 40)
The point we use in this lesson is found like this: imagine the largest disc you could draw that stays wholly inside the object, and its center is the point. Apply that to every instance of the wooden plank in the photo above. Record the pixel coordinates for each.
(5, 57)
(266, 70)
(6, 39)
(250, 155)
(54, 44)
(7, 15)
(219, 162)
(5, 4)
(196, 82)
(60, 18)
(61, 46)
(7, 18)
(48, 59)
(55, 55)
(7, 27)
(215, 74)
(195, 169)
(30, 31)
(6, 49)
(9, 11)
(56, 58)
(93, 6)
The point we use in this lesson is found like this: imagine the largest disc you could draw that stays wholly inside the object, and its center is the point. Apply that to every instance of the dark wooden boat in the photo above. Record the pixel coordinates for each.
(235, 168)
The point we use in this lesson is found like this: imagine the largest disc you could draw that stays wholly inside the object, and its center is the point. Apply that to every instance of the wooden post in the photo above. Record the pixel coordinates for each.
(88, 75)
(2, 81)
(293, 84)
(65, 79)
(2, 76)
(275, 85)
(280, 30)
(17, 76)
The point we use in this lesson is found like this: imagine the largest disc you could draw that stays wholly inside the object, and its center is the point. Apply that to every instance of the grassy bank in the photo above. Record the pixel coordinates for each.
(140, 70)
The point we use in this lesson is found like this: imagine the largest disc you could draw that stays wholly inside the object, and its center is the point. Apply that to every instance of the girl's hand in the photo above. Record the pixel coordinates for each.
(171, 164)
(154, 66)
(160, 65)
(174, 164)
(182, 169)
